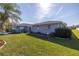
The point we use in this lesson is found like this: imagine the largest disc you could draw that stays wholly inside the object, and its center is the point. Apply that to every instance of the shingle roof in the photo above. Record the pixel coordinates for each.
(48, 22)
(42, 23)
(24, 24)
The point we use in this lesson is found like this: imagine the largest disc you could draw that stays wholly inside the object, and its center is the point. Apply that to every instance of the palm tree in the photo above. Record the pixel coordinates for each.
(10, 13)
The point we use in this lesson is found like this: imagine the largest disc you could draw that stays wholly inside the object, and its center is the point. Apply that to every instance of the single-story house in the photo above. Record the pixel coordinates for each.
(43, 27)
(47, 27)
(23, 27)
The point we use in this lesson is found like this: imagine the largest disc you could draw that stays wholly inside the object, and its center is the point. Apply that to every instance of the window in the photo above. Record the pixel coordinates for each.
(48, 26)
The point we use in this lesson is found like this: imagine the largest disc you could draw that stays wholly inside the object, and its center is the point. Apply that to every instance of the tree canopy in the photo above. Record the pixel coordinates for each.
(10, 13)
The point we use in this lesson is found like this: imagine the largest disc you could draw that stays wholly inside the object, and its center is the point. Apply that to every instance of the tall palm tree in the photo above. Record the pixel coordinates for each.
(10, 13)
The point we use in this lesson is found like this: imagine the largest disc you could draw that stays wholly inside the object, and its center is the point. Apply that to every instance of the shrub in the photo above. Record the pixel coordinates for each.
(13, 31)
(52, 34)
(7, 30)
(63, 32)
(38, 33)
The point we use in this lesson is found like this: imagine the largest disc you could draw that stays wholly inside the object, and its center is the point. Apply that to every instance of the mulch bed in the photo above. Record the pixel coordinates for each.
(2, 43)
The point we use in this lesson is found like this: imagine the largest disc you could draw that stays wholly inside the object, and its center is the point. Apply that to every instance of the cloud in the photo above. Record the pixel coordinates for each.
(60, 9)
(43, 10)
(28, 22)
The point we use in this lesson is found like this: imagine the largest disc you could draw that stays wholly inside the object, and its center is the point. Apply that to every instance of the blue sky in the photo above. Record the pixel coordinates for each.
(40, 12)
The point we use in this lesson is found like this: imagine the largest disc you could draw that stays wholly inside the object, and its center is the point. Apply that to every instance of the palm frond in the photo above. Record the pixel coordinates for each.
(11, 10)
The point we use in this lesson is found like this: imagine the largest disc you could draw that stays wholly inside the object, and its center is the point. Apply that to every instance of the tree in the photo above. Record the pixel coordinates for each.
(73, 27)
(10, 13)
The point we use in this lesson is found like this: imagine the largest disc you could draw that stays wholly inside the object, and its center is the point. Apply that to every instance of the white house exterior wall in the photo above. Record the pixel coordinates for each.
(44, 28)
(53, 27)
(34, 29)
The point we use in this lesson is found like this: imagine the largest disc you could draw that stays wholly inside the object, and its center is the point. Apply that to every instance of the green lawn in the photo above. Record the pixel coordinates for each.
(76, 33)
(23, 44)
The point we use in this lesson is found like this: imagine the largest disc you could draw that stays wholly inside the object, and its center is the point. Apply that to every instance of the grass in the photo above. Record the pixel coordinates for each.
(76, 33)
(23, 44)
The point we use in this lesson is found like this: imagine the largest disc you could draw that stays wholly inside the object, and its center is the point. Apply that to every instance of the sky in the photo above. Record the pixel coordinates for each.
(41, 12)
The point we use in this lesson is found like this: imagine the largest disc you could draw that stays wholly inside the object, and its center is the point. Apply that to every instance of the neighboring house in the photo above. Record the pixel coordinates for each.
(23, 27)
(12, 27)
(47, 27)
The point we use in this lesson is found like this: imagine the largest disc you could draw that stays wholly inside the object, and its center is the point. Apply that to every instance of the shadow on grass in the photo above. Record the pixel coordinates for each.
(70, 43)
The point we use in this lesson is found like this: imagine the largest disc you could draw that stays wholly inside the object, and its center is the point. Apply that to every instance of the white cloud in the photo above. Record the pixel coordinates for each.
(60, 9)
(43, 10)
(28, 22)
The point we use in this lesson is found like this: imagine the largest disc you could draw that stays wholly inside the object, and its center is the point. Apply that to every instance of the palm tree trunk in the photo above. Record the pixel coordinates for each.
(2, 27)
